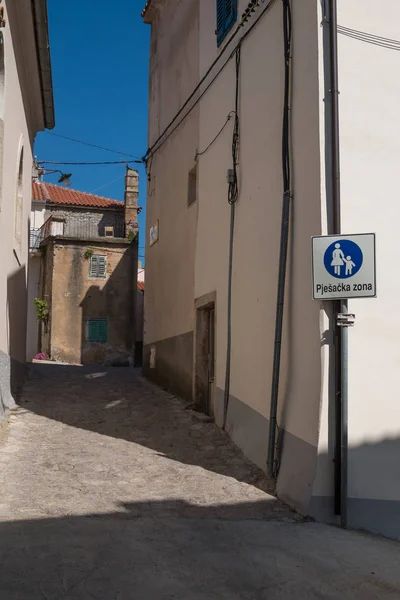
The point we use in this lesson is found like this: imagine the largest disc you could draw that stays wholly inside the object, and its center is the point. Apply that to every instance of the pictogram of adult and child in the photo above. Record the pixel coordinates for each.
(339, 260)
(343, 259)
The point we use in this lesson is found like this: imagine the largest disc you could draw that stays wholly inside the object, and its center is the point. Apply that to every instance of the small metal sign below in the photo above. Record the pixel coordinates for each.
(346, 319)
(344, 266)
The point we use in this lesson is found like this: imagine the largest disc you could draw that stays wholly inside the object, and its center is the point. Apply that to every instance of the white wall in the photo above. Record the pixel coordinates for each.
(38, 212)
(20, 125)
(370, 152)
(370, 148)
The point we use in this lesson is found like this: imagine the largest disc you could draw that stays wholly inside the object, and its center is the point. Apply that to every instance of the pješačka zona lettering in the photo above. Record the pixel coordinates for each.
(342, 288)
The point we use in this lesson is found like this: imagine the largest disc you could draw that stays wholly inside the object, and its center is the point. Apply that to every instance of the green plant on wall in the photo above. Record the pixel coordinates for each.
(42, 310)
(132, 236)
(88, 253)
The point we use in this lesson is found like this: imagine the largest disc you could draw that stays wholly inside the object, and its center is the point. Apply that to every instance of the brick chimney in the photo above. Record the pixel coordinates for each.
(131, 201)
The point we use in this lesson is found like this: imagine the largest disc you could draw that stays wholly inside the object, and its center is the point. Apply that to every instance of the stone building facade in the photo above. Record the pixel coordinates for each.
(91, 316)
(88, 275)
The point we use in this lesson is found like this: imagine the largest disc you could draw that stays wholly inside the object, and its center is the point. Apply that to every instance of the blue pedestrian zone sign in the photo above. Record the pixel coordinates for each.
(344, 266)
(343, 259)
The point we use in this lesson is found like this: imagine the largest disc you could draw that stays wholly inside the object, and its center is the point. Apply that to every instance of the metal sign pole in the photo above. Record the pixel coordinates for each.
(344, 267)
(345, 321)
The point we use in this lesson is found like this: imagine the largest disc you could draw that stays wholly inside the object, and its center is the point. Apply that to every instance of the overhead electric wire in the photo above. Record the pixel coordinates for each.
(370, 38)
(155, 146)
(80, 163)
(150, 157)
(89, 144)
(245, 17)
(107, 184)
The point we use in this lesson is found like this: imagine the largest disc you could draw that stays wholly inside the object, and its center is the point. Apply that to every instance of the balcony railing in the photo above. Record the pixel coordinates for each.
(83, 228)
(34, 239)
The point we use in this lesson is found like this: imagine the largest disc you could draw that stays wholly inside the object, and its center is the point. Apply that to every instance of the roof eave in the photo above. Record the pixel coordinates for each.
(44, 58)
(150, 10)
(52, 204)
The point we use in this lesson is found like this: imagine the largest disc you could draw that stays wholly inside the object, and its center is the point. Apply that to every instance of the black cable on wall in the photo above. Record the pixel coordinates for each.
(272, 462)
(198, 92)
(233, 194)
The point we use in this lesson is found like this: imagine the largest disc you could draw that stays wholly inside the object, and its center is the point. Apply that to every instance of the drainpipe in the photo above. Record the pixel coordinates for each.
(341, 333)
(335, 115)
(272, 461)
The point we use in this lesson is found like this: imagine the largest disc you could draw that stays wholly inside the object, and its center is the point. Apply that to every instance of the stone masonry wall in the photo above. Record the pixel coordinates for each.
(89, 223)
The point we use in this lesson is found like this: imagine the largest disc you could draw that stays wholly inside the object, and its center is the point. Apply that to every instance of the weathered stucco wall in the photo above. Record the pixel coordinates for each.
(46, 293)
(76, 297)
(32, 331)
(169, 298)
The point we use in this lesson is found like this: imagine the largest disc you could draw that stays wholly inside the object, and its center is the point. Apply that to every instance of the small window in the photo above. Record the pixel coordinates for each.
(96, 330)
(98, 264)
(226, 18)
(109, 231)
(192, 186)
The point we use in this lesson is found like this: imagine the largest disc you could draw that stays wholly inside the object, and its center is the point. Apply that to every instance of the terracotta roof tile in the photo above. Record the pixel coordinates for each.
(56, 194)
(140, 286)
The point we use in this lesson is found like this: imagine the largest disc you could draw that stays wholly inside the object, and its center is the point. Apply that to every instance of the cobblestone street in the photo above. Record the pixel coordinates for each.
(111, 489)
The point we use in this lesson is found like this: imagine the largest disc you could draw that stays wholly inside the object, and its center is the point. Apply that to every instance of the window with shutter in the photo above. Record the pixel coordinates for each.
(226, 18)
(19, 206)
(98, 264)
(192, 186)
(96, 330)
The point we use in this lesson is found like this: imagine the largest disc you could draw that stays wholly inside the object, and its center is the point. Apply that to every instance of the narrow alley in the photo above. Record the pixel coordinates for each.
(111, 489)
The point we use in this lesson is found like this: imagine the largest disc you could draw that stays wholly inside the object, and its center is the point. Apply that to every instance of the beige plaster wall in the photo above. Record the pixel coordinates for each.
(170, 262)
(257, 231)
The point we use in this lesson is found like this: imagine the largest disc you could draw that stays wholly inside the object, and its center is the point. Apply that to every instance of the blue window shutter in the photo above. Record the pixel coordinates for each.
(226, 17)
(220, 17)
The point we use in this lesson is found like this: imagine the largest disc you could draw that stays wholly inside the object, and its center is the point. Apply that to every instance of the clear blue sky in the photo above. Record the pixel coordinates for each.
(99, 53)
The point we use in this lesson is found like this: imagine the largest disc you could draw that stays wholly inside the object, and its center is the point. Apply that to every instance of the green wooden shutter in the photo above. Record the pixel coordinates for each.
(102, 330)
(97, 266)
(97, 330)
(101, 269)
(93, 266)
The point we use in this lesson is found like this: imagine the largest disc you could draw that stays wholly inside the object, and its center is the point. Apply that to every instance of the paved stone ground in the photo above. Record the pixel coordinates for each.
(110, 489)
